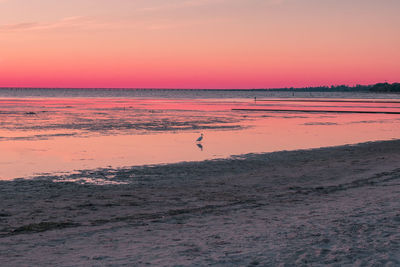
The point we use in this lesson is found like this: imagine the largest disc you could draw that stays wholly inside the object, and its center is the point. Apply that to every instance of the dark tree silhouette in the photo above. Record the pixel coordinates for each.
(386, 87)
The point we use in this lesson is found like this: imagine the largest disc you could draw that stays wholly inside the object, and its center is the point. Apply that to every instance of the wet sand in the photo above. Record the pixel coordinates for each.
(337, 206)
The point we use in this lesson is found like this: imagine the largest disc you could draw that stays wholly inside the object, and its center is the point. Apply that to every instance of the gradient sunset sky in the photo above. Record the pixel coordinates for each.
(198, 43)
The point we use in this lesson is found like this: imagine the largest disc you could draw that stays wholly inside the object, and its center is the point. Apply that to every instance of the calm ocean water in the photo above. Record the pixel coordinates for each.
(53, 131)
(175, 93)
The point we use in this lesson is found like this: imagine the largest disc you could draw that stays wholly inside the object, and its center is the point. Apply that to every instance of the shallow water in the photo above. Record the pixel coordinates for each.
(61, 135)
(177, 93)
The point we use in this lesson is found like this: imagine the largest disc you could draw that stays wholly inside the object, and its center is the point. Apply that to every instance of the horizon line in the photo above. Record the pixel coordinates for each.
(171, 88)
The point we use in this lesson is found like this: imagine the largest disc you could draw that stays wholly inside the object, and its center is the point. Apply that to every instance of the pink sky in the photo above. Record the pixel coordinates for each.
(198, 43)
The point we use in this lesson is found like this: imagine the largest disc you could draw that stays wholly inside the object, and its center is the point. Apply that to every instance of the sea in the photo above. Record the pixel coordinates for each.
(53, 131)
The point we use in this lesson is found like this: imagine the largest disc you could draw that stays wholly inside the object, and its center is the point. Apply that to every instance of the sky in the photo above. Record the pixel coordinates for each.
(198, 43)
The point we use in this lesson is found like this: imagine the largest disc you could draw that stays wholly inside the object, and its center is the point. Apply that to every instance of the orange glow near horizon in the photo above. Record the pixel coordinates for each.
(198, 44)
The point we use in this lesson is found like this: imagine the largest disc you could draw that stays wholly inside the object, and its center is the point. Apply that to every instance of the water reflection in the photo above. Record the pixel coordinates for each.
(76, 134)
(200, 146)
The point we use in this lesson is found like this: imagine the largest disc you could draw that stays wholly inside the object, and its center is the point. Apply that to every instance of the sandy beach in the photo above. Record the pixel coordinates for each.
(199, 133)
(337, 206)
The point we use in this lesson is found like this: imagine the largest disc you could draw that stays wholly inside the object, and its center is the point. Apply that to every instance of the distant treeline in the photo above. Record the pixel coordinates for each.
(379, 87)
(385, 87)
(333, 88)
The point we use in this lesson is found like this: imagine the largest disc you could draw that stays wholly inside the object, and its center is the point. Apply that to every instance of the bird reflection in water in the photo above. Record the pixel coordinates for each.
(198, 142)
(200, 146)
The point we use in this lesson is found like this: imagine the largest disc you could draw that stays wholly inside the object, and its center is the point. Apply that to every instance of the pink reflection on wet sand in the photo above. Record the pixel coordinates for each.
(46, 141)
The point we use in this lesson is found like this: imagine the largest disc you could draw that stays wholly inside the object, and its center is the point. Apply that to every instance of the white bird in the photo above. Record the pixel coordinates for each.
(200, 138)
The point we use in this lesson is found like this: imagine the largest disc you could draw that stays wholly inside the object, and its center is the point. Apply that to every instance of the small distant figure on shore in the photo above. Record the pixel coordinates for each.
(200, 138)
(255, 99)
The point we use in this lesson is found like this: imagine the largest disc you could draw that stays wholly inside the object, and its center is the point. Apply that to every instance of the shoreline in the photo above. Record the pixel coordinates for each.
(336, 205)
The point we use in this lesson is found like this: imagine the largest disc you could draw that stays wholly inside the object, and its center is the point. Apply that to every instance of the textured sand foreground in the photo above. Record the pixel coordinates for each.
(338, 206)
